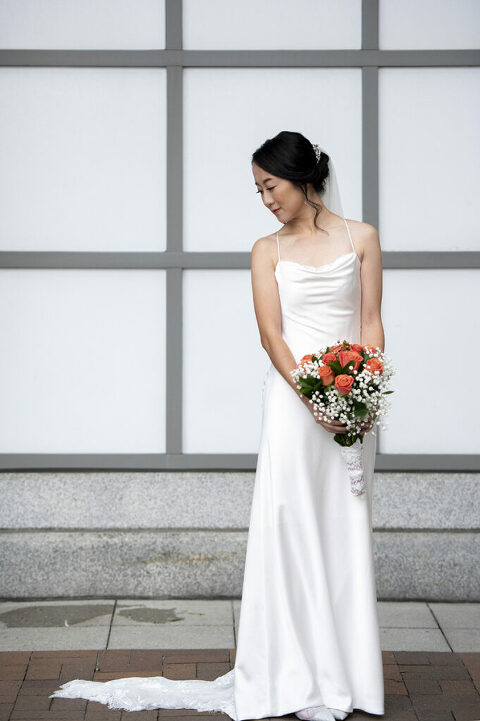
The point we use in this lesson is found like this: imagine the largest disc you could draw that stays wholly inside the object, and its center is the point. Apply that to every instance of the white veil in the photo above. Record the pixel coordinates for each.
(331, 195)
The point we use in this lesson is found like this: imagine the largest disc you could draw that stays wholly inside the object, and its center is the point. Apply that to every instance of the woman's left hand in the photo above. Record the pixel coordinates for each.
(368, 424)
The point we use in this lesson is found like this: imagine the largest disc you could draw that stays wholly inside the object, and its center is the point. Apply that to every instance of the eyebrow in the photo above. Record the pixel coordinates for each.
(264, 180)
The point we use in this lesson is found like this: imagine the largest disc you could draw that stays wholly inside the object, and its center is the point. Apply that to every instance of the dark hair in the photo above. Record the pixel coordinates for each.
(291, 155)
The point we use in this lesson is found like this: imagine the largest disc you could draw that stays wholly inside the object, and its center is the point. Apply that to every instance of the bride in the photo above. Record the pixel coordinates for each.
(308, 639)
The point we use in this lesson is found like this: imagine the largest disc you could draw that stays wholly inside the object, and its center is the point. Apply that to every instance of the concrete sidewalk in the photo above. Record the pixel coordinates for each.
(431, 655)
(82, 624)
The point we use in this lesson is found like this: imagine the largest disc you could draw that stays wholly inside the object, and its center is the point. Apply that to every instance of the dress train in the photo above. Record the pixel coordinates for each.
(149, 693)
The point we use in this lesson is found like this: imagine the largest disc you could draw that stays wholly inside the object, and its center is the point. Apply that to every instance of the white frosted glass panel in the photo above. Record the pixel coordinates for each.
(429, 24)
(82, 24)
(429, 158)
(82, 367)
(225, 121)
(428, 316)
(224, 363)
(83, 159)
(271, 24)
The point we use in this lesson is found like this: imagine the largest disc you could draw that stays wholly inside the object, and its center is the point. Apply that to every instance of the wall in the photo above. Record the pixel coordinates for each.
(127, 216)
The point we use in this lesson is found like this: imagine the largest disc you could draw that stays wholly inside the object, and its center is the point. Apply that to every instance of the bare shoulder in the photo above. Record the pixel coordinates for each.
(365, 238)
(264, 250)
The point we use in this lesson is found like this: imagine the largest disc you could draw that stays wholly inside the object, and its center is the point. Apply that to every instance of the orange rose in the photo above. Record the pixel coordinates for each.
(345, 356)
(356, 347)
(374, 364)
(329, 357)
(326, 374)
(335, 348)
(370, 349)
(344, 383)
(307, 357)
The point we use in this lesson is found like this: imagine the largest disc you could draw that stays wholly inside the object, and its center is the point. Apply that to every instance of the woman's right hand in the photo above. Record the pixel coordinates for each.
(331, 425)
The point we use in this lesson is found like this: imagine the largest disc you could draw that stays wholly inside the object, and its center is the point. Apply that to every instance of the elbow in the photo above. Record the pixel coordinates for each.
(268, 341)
(265, 343)
(372, 321)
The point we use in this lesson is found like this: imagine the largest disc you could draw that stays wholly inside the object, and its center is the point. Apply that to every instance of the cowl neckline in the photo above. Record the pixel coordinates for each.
(315, 268)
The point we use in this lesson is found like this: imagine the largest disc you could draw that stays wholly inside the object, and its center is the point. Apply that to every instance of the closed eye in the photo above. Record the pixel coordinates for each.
(259, 191)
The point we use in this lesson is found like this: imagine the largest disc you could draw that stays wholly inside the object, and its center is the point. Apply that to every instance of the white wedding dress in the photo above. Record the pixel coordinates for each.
(308, 630)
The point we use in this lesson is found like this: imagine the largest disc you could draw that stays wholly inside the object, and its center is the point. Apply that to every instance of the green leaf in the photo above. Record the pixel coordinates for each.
(345, 440)
(335, 365)
(360, 412)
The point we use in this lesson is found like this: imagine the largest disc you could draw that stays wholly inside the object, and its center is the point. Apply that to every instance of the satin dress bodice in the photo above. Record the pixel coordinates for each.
(319, 304)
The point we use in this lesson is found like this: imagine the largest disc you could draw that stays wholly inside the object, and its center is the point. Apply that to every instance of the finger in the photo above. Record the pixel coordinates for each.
(334, 429)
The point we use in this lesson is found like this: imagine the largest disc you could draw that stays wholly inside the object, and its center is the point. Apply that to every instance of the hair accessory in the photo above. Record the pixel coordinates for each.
(317, 151)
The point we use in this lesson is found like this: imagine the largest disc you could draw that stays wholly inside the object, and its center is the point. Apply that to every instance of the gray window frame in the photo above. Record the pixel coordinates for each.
(174, 260)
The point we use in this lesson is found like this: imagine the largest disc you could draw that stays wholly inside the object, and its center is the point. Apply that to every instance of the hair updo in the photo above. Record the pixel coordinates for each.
(291, 155)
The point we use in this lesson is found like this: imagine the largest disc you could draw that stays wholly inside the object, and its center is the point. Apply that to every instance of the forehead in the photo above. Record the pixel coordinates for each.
(262, 176)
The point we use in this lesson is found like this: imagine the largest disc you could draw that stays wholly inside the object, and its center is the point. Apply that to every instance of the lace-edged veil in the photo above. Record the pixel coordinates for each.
(331, 196)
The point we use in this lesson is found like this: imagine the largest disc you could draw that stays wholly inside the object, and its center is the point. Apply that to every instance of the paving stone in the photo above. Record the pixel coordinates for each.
(210, 671)
(435, 716)
(422, 685)
(185, 655)
(34, 703)
(5, 711)
(395, 687)
(99, 712)
(406, 614)
(36, 687)
(454, 688)
(10, 657)
(65, 654)
(431, 671)
(39, 669)
(411, 657)
(397, 702)
(9, 690)
(180, 670)
(392, 673)
(14, 672)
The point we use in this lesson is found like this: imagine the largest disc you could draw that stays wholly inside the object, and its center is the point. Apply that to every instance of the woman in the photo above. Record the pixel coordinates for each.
(308, 638)
(309, 596)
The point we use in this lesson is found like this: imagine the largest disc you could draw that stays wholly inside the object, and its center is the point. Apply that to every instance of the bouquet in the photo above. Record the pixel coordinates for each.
(347, 382)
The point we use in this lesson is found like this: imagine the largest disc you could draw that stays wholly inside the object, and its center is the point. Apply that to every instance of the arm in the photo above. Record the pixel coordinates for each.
(372, 332)
(266, 301)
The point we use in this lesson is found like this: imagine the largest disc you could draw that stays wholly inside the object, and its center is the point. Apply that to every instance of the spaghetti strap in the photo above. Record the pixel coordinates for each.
(278, 247)
(349, 235)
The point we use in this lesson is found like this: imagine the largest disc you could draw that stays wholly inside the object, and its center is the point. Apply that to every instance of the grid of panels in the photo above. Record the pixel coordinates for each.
(173, 59)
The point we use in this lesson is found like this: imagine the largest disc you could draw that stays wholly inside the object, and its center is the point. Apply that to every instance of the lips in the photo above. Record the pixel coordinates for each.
(276, 210)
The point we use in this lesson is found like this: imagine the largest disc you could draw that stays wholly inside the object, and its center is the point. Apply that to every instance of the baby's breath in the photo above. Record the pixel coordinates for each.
(368, 388)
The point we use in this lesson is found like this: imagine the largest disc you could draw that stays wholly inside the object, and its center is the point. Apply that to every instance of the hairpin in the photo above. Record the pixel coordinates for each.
(317, 150)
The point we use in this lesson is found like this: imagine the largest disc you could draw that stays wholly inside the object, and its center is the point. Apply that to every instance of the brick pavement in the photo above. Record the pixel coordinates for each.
(419, 686)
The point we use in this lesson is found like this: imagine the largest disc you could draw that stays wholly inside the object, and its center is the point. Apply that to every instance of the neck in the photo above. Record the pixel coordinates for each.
(303, 224)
